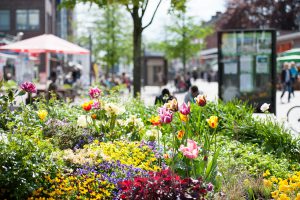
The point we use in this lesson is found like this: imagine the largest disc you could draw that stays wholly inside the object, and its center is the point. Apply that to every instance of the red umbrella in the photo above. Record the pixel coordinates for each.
(44, 44)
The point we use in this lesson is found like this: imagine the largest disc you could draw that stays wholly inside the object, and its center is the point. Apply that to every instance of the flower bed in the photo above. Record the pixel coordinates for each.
(108, 149)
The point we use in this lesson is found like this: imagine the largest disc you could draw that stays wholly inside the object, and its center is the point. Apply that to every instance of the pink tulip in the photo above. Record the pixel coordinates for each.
(28, 87)
(191, 150)
(94, 92)
(185, 109)
(96, 104)
(165, 115)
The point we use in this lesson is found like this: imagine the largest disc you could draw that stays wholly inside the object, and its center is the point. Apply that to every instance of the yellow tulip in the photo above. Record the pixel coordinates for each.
(213, 121)
(183, 118)
(42, 114)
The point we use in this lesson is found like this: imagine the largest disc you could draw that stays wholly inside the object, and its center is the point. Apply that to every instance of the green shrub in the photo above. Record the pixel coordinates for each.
(24, 161)
(237, 158)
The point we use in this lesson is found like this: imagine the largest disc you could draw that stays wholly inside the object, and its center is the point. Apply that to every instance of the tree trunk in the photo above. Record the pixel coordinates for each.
(137, 46)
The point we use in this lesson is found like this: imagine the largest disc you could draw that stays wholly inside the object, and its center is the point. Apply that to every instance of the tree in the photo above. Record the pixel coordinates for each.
(278, 14)
(111, 37)
(137, 10)
(184, 38)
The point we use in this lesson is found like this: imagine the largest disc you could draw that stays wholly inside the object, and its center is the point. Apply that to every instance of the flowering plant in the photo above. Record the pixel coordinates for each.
(28, 87)
(265, 107)
(162, 185)
(185, 109)
(95, 93)
(87, 106)
(191, 150)
(137, 154)
(201, 100)
(165, 115)
(73, 186)
(283, 189)
(42, 114)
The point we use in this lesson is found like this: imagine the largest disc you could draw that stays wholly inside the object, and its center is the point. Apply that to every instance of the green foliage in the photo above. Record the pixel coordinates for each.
(236, 158)
(184, 38)
(24, 161)
(66, 135)
(237, 122)
(111, 37)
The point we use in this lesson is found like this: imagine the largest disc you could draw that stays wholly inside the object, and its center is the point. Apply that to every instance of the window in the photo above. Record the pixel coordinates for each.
(28, 19)
(4, 20)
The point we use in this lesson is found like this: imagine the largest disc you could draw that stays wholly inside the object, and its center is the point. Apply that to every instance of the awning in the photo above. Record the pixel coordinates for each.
(44, 44)
(290, 58)
(295, 51)
(4, 55)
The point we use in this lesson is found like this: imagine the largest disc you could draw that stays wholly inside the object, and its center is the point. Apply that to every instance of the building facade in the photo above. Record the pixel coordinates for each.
(32, 19)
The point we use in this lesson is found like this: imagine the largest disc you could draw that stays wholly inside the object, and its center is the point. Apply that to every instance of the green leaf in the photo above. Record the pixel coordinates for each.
(21, 93)
(211, 166)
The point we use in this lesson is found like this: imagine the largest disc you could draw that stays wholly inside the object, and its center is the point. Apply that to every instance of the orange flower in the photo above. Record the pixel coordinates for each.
(87, 106)
(183, 118)
(155, 120)
(213, 121)
(180, 134)
(94, 116)
(166, 156)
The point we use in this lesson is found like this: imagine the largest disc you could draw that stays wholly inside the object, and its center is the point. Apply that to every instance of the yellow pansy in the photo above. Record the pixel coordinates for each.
(267, 173)
(275, 194)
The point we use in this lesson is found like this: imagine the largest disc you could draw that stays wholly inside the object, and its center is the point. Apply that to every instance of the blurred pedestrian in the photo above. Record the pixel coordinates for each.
(53, 88)
(192, 94)
(286, 80)
(160, 78)
(187, 80)
(294, 76)
(195, 75)
(125, 80)
(164, 97)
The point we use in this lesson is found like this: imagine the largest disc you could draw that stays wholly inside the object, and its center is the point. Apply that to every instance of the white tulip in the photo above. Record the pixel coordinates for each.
(265, 107)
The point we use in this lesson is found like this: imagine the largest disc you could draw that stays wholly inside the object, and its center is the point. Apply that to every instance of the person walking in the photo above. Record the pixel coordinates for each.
(125, 80)
(286, 80)
(294, 76)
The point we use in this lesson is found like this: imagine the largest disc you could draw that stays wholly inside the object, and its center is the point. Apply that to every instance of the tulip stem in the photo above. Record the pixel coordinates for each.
(215, 140)
(194, 171)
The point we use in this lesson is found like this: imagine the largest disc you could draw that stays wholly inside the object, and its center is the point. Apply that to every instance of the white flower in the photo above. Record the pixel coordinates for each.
(113, 109)
(135, 121)
(265, 107)
(152, 134)
(3, 137)
(121, 122)
(83, 121)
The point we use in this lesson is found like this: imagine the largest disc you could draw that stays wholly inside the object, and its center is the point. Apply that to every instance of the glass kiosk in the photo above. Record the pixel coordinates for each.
(247, 66)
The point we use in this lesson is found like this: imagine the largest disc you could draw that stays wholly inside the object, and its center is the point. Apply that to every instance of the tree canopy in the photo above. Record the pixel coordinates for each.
(137, 10)
(184, 38)
(279, 14)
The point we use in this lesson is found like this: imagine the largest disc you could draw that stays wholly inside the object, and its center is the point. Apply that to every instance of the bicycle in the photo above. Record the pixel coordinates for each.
(293, 117)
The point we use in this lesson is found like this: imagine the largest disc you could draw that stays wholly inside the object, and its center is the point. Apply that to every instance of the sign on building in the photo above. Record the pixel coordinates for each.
(247, 66)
